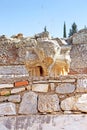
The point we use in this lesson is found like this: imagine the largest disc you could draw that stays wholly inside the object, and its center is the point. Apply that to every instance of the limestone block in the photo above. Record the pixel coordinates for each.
(8, 52)
(14, 71)
(68, 80)
(5, 92)
(7, 109)
(45, 122)
(80, 37)
(14, 98)
(78, 56)
(28, 104)
(81, 85)
(75, 103)
(17, 90)
(8, 123)
(40, 87)
(81, 103)
(42, 35)
(48, 103)
(69, 104)
(65, 88)
(6, 85)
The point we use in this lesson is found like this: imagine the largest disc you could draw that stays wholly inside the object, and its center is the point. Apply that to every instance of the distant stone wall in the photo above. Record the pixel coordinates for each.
(78, 53)
(78, 56)
(80, 37)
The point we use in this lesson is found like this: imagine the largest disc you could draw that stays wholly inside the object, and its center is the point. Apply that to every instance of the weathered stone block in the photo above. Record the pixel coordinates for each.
(80, 37)
(6, 85)
(5, 92)
(8, 123)
(17, 90)
(81, 85)
(69, 103)
(7, 109)
(81, 103)
(40, 87)
(13, 70)
(48, 103)
(28, 104)
(45, 122)
(14, 98)
(65, 88)
(75, 103)
(78, 56)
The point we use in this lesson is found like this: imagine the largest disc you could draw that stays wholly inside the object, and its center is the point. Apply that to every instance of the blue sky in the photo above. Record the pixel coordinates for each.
(30, 16)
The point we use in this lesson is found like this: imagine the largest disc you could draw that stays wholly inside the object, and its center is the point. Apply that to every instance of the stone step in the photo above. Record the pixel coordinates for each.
(44, 122)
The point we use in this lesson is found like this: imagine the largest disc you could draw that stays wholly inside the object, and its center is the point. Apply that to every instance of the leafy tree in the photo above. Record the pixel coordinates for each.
(64, 30)
(73, 29)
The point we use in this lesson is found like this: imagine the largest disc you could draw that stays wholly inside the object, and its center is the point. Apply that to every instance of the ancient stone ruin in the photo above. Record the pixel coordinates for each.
(41, 55)
(43, 82)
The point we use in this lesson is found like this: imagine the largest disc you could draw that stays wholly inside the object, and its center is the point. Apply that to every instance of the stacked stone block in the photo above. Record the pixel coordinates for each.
(65, 94)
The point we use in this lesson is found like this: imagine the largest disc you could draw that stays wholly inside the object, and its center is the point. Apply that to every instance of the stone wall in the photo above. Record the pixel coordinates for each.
(22, 95)
(38, 101)
(41, 103)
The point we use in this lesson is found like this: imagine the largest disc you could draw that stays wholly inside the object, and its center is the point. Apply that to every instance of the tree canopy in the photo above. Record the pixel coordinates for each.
(73, 29)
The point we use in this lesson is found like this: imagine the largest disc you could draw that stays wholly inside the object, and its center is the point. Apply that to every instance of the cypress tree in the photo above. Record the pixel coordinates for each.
(64, 30)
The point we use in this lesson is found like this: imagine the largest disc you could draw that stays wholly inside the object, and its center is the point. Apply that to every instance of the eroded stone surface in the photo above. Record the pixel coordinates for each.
(37, 53)
(81, 85)
(75, 103)
(80, 37)
(81, 103)
(28, 104)
(44, 122)
(78, 56)
(15, 70)
(65, 88)
(40, 87)
(7, 109)
(14, 98)
(6, 86)
(48, 103)
(7, 123)
(17, 90)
